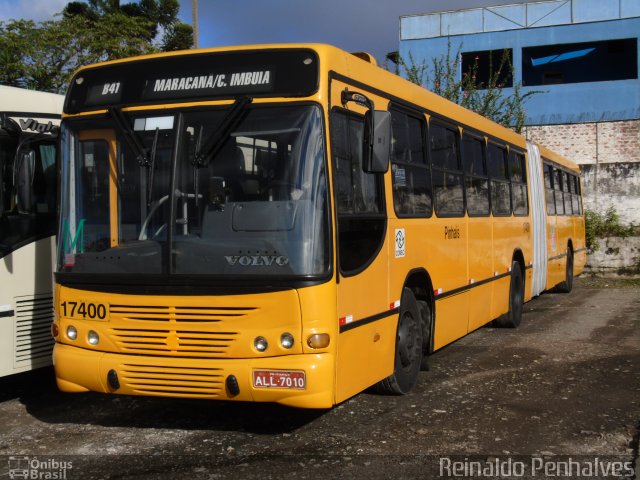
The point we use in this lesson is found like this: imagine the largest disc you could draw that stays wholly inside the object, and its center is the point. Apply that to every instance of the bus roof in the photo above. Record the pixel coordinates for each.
(361, 68)
(29, 102)
(559, 159)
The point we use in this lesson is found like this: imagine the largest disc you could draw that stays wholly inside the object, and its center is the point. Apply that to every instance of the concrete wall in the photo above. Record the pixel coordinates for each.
(609, 156)
(616, 256)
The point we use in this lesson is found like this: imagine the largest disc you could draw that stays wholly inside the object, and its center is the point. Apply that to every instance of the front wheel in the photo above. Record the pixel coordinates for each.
(408, 354)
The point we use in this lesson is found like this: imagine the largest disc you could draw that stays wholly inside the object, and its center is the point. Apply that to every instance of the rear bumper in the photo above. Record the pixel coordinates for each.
(81, 370)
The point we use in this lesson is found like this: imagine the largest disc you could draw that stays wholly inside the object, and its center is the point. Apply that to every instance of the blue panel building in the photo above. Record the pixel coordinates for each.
(582, 57)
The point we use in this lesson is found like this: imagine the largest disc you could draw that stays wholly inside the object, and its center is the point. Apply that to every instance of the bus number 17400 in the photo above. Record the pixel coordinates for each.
(86, 310)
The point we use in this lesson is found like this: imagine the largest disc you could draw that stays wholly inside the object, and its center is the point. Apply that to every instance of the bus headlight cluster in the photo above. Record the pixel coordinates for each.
(92, 337)
(287, 341)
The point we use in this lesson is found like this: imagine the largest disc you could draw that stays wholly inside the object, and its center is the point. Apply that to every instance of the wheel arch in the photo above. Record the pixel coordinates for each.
(419, 282)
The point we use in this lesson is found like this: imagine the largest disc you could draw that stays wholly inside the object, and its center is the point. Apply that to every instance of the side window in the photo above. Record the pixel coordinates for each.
(410, 170)
(518, 174)
(447, 171)
(557, 187)
(498, 173)
(476, 179)
(359, 196)
(548, 189)
(577, 198)
(566, 188)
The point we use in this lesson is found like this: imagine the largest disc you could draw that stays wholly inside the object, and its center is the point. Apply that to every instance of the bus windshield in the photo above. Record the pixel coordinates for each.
(190, 192)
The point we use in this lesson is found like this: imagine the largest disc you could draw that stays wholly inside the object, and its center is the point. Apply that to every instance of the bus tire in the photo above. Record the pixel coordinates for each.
(567, 285)
(408, 352)
(425, 316)
(516, 300)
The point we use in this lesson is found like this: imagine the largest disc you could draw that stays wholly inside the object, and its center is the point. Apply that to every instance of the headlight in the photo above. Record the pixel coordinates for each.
(261, 344)
(93, 338)
(286, 340)
(72, 333)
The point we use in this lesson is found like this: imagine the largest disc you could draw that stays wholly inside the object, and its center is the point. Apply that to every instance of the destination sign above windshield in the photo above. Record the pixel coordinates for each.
(195, 77)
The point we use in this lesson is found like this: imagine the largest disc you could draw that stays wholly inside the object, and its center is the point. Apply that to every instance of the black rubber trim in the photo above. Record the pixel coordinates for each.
(365, 321)
(7, 313)
(450, 293)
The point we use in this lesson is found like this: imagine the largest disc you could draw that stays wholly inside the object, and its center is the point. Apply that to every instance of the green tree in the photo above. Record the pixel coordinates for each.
(486, 98)
(44, 56)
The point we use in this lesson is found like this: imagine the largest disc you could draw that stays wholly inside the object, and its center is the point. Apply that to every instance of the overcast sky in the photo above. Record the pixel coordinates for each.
(354, 25)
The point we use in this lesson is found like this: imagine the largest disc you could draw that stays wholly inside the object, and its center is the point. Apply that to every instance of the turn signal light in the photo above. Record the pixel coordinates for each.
(54, 330)
(319, 340)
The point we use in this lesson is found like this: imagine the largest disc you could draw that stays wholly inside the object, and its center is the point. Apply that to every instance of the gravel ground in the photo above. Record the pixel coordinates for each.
(563, 387)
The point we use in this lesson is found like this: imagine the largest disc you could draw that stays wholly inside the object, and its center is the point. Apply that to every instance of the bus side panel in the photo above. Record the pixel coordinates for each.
(507, 232)
(480, 268)
(448, 269)
(365, 356)
(25, 336)
(579, 245)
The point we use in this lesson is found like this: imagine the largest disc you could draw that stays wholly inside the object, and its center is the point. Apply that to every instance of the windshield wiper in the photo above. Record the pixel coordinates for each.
(143, 156)
(215, 142)
(130, 137)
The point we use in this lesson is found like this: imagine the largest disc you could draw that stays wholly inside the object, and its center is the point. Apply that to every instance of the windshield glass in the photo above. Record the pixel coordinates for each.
(188, 200)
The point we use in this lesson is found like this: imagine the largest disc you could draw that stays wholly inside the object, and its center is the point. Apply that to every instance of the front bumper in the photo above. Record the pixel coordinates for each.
(80, 370)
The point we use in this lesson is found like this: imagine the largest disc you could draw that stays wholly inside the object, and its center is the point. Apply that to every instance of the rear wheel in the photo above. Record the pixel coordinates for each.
(567, 285)
(408, 356)
(516, 300)
(425, 317)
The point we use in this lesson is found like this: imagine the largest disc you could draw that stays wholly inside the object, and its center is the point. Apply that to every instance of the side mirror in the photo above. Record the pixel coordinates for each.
(24, 172)
(377, 143)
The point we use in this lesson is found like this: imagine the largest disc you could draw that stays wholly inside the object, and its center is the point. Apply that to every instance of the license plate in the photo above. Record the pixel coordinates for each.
(293, 379)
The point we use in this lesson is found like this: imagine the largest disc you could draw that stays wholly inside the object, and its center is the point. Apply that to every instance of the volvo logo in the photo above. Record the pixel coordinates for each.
(257, 260)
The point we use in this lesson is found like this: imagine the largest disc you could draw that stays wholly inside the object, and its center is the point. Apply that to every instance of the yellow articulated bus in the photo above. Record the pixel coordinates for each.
(291, 224)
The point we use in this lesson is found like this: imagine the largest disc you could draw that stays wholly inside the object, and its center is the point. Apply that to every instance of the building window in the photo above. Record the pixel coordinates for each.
(489, 67)
(580, 62)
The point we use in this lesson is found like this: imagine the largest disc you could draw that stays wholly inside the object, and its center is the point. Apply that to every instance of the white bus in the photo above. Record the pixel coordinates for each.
(29, 124)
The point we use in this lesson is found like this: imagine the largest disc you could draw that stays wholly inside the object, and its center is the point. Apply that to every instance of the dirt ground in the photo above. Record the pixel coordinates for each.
(564, 387)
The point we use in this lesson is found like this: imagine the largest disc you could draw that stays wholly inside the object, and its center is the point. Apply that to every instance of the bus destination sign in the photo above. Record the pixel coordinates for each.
(194, 77)
(213, 84)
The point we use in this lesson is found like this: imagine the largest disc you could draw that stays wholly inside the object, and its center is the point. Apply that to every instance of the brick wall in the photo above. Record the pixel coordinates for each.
(609, 156)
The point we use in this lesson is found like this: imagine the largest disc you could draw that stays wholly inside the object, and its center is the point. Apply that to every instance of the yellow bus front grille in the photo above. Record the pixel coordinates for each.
(176, 330)
(173, 381)
(181, 342)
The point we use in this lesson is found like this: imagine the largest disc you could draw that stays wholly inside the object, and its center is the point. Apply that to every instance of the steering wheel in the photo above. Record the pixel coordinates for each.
(145, 224)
